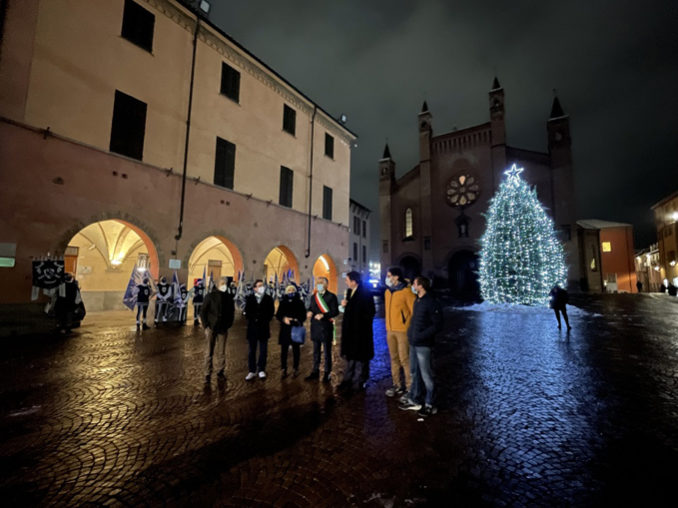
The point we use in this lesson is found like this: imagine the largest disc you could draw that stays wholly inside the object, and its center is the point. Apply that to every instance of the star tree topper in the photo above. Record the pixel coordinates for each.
(513, 174)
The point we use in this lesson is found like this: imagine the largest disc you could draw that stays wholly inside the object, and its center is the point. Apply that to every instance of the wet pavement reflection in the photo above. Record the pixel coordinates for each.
(529, 415)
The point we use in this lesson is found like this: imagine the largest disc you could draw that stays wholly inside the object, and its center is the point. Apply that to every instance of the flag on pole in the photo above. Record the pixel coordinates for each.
(210, 285)
(176, 288)
(129, 300)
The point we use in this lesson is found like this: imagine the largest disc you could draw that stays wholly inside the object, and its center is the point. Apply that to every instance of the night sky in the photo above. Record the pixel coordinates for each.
(614, 64)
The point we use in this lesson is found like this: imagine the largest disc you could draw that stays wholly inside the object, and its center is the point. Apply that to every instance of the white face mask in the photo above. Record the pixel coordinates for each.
(320, 288)
(223, 288)
(389, 282)
(414, 290)
(261, 290)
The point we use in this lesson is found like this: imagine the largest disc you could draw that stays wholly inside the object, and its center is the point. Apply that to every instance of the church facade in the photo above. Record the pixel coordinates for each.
(432, 216)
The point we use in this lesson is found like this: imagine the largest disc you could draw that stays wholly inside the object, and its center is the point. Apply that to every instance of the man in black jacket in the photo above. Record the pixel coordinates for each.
(259, 311)
(322, 310)
(427, 320)
(357, 343)
(216, 315)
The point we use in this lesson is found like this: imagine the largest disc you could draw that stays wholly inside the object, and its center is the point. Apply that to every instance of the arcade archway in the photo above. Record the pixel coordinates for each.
(282, 262)
(215, 256)
(102, 257)
(463, 275)
(325, 267)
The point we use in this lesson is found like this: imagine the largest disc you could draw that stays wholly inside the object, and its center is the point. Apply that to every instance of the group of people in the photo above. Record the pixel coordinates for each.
(413, 317)
(171, 303)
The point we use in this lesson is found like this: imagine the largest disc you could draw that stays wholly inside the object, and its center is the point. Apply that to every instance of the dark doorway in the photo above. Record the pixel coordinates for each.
(463, 272)
(411, 267)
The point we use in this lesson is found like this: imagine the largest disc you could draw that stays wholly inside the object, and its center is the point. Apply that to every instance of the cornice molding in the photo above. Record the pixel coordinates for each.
(225, 49)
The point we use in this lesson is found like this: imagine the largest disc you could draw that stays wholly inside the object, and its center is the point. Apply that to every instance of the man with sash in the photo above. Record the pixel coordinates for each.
(322, 310)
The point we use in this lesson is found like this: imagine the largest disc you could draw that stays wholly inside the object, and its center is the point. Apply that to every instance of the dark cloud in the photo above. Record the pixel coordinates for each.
(613, 63)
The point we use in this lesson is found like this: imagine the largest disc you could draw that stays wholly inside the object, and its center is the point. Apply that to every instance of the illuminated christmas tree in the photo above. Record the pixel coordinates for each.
(521, 258)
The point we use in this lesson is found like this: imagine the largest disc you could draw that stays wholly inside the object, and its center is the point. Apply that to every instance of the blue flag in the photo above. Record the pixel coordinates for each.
(129, 300)
(176, 290)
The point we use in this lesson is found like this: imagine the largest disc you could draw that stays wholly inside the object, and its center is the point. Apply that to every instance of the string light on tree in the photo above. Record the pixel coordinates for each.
(521, 258)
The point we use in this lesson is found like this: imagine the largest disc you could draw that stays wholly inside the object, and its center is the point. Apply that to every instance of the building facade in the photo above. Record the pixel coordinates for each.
(432, 216)
(360, 238)
(607, 256)
(143, 119)
(666, 220)
(648, 269)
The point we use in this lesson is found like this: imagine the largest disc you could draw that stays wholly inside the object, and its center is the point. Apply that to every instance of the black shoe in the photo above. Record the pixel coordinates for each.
(196, 322)
(312, 376)
(326, 378)
(427, 411)
(145, 327)
(138, 327)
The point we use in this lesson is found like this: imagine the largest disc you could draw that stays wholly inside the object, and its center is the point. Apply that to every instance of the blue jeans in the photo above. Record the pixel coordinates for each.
(422, 375)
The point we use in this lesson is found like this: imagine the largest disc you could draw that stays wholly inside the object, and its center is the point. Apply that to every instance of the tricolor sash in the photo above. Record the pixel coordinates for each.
(320, 302)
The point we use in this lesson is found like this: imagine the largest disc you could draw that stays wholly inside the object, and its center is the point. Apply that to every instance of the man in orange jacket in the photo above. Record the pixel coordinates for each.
(398, 303)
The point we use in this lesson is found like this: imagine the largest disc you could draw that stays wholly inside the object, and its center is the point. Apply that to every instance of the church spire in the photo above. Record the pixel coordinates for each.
(556, 109)
(387, 152)
(495, 84)
(424, 107)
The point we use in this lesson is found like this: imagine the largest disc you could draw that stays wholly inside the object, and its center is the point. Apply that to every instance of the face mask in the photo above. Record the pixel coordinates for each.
(222, 288)
(290, 296)
(389, 282)
(414, 290)
(261, 290)
(320, 288)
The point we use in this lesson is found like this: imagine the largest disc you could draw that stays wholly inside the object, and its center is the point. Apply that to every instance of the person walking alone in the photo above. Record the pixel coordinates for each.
(291, 312)
(398, 304)
(217, 314)
(558, 303)
(259, 310)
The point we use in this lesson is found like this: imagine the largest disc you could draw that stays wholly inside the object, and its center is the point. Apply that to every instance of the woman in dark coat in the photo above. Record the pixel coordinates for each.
(291, 312)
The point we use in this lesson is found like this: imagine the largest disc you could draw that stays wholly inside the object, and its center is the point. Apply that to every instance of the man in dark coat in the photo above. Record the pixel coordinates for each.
(259, 311)
(427, 320)
(291, 312)
(67, 305)
(217, 314)
(322, 310)
(357, 344)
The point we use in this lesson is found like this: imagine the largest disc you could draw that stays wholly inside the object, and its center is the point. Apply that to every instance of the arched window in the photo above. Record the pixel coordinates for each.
(409, 228)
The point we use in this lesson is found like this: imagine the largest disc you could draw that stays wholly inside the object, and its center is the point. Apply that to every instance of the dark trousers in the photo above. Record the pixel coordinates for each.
(142, 308)
(196, 311)
(252, 363)
(563, 311)
(357, 372)
(325, 344)
(296, 353)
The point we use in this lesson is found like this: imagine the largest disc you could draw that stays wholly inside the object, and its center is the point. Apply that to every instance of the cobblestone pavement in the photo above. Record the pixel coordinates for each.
(529, 416)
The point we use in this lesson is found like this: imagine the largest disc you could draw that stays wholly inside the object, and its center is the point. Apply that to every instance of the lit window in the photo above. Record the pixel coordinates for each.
(409, 228)
(607, 247)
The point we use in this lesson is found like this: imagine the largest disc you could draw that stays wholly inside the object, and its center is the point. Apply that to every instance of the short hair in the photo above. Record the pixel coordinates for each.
(423, 282)
(257, 282)
(397, 271)
(327, 281)
(354, 276)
